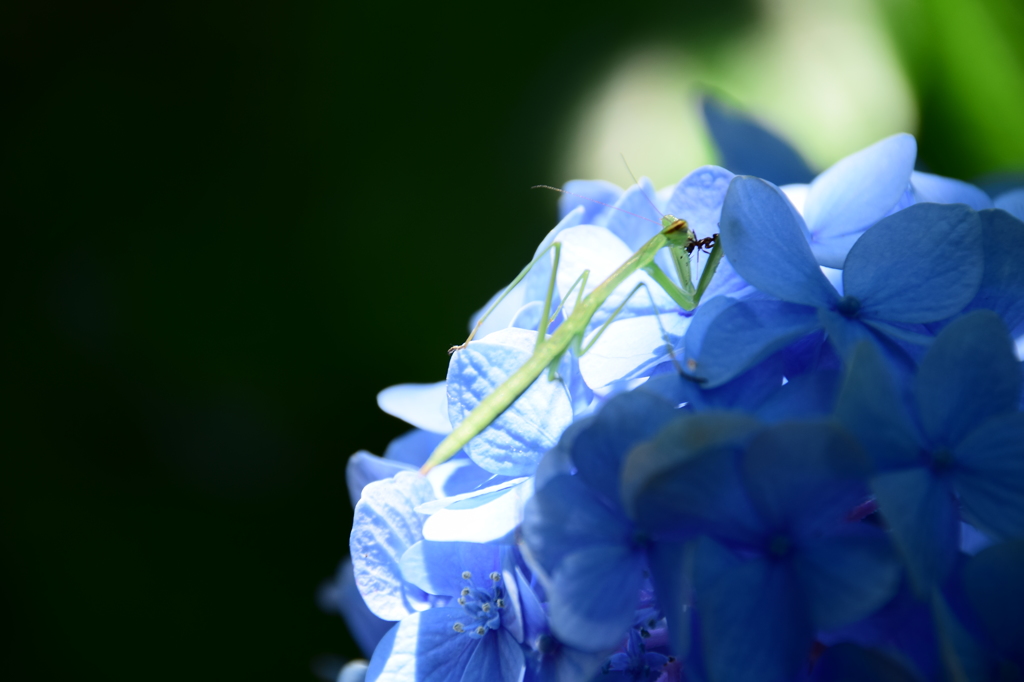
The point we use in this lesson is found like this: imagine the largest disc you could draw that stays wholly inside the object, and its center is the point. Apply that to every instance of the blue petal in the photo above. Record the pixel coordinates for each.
(805, 396)
(848, 662)
(970, 373)
(993, 585)
(748, 148)
(425, 406)
(588, 193)
(860, 189)
(1012, 202)
(588, 247)
(673, 585)
(637, 220)
(746, 392)
(565, 516)
(919, 265)
(594, 595)
(686, 479)
(870, 406)
(414, 447)
(364, 468)
(486, 515)
(922, 514)
(753, 622)
(1002, 284)
(631, 348)
(537, 281)
(764, 239)
(847, 576)
(515, 441)
(385, 524)
(600, 449)
(438, 567)
(844, 334)
(990, 476)
(936, 189)
(425, 647)
(698, 199)
(746, 333)
(805, 477)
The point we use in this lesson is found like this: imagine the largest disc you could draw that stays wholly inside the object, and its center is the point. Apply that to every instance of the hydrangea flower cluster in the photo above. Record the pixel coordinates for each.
(817, 474)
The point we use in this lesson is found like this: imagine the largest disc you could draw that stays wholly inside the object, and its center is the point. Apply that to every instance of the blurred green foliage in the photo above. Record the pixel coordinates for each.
(230, 224)
(966, 61)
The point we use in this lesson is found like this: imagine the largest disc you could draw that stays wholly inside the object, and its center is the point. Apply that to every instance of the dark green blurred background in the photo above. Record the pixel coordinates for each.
(231, 224)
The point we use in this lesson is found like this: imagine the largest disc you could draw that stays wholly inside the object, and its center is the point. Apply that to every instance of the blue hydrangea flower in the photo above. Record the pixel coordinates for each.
(579, 535)
(922, 264)
(477, 636)
(952, 447)
(778, 558)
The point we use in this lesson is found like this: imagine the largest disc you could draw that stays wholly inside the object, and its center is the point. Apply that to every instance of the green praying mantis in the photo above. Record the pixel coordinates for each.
(675, 234)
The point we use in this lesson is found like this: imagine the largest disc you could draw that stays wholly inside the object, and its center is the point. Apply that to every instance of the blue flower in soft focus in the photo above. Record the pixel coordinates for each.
(577, 531)
(778, 557)
(922, 264)
(636, 663)
(476, 636)
(952, 446)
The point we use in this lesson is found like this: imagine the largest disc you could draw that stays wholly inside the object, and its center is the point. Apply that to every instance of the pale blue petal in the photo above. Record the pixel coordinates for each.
(847, 576)
(537, 281)
(1002, 284)
(385, 524)
(919, 265)
(506, 310)
(698, 199)
(921, 512)
(753, 620)
(458, 476)
(588, 247)
(364, 468)
(485, 516)
(631, 348)
(989, 476)
(764, 238)
(438, 567)
(969, 374)
(936, 189)
(871, 407)
(637, 219)
(425, 406)
(587, 194)
(594, 595)
(861, 189)
(746, 333)
(515, 441)
(749, 148)
(1012, 202)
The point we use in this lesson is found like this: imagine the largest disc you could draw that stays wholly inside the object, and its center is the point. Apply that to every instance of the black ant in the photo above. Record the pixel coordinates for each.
(702, 245)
